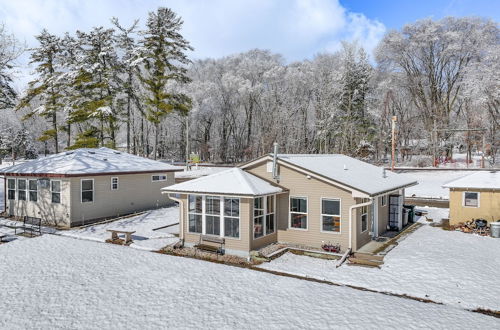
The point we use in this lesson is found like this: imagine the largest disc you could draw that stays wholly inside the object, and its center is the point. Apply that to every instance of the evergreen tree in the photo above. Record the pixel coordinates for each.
(163, 55)
(10, 50)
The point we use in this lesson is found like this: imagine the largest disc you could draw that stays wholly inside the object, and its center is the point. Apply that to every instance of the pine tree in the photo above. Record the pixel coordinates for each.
(164, 56)
(45, 90)
(10, 50)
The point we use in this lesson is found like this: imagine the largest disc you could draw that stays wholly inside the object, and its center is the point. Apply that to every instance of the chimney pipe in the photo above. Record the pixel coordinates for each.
(275, 162)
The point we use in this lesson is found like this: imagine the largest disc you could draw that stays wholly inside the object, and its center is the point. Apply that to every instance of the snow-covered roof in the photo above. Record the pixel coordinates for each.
(349, 171)
(233, 181)
(90, 161)
(477, 180)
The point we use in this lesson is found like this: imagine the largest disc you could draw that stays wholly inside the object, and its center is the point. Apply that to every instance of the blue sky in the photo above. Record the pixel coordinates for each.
(298, 29)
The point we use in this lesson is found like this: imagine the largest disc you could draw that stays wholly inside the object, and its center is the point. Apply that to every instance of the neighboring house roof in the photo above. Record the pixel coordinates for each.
(478, 180)
(233, 181)
(347, 171)
(89, 161)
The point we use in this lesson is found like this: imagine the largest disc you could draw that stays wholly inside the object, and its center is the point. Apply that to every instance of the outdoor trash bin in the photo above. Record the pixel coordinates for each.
(495, 229)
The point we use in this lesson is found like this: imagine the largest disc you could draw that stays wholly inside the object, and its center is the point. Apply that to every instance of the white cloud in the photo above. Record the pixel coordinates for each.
(297, 29)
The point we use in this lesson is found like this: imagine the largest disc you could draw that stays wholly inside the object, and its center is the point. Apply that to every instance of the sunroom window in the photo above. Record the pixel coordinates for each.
(212, 215)
(270, 217)
(232, 217)
(258, 217)
(298, 212)
(195, 213)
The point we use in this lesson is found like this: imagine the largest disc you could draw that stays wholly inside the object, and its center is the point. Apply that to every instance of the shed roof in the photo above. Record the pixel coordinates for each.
(233, 181)
(477, 180)
(351, 172)
(89, 161)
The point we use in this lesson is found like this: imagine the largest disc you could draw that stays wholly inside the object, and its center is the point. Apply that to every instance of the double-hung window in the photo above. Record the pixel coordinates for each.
(212, 215)
(471, 199)
(55, 189)
(114, 183)
(11, 186)
(33, 190)
(232, 217)
(330, 215)
(87, 191)
(364, 218)
(270, 218)
(258, 217)
(298, 212)
(195, 214)
(21, 189)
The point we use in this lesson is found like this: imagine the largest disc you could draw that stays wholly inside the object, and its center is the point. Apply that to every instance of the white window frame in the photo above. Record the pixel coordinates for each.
(204, 218)
(223, 223)
(263, 216)
(117, 183)
(30, 190)
(290, 213)
(266, 213)
(383, 200)
(324, 214)
(361, 218)
(478, 199)
(81, 191)
(9, 189)
(25, 190)
(196, 213)
(159, 178)
(56, 192)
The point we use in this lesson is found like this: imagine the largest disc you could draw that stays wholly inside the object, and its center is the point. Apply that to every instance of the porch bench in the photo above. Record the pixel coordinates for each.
(115, 232)
(210, 243)
(31, 225)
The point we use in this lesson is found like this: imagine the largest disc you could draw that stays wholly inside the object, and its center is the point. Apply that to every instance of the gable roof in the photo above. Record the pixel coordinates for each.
(345, 170)
(89, 161)
(478, 180)
(233, 181)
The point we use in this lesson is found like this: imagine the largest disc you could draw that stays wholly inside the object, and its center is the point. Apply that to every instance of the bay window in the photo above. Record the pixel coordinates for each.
(232, 217)
(33, 190)
(195, 214)
(330, 215)
(21, 189)
(11, 185)
(298, 212)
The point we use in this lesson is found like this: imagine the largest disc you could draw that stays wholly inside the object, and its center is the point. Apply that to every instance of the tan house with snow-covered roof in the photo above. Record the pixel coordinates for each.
(85, 185)
(307, 200)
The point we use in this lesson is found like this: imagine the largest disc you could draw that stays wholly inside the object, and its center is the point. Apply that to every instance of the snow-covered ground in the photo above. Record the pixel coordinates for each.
(446, 266)
(430, 182)
(55, 282)
(143, 225)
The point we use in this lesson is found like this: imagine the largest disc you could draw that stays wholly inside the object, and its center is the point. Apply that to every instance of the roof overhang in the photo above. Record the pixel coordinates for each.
(164, 191)
(72, 175)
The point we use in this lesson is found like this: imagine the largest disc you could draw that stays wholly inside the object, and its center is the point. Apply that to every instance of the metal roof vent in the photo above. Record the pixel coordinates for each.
(384, 173)
(345, 167)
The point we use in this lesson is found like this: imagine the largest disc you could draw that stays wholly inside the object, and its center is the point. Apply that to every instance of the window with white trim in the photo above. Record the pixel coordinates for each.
(232, 217)
(87, 191)
(114, 183)
(330, 215)
(33, 190)
(55, 189)
(270, 218)
(21, 189)
(364, 218)
(471, 199)
(383, 200)
(258, 217)
(298, 212)
(11, 186)
(155, 178)
(195, 214)
(212, 215)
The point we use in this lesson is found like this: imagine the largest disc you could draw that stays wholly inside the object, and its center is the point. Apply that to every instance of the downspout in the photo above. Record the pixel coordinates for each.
(355, 206)
(181, 221)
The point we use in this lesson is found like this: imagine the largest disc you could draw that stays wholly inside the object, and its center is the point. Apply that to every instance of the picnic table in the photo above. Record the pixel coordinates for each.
(116, 232)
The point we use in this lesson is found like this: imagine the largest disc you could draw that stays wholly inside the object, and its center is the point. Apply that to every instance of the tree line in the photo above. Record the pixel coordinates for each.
(135, 88)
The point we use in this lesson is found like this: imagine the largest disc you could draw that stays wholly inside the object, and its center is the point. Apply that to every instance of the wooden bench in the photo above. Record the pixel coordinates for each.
(128, 235)
(210, 243)
(31, 225)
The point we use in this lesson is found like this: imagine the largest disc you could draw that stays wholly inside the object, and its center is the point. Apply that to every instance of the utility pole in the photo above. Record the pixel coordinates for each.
(393, 164)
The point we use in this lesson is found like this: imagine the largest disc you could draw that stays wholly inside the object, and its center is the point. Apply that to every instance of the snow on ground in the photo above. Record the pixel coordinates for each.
(430, 182)
(54, 282)
(446, 266)
(199, 171)
(143, 225)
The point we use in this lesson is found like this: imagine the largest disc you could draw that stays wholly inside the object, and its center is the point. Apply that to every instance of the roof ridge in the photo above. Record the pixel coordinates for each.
(242, 174)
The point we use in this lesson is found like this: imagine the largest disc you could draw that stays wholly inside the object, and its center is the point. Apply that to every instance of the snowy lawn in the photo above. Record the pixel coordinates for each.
(430, 182)
(143, 225)
(58, 282)
(449, 267)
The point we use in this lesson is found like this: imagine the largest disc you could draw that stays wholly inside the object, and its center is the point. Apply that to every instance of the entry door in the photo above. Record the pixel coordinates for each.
(394, 211)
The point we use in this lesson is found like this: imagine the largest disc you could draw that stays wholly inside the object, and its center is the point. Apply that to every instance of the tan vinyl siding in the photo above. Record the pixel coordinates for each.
(489, 206)
(57, 214)
(383, 215)
(361, 238)
(314, 189)
(136, 192)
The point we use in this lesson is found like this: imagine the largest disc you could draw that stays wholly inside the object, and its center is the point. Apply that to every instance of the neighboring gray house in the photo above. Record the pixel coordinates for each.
(84, 185)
